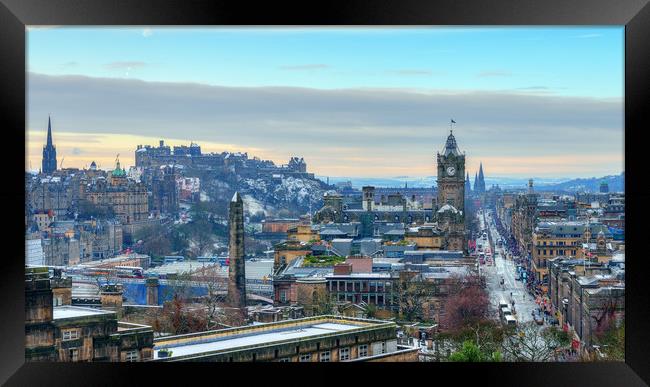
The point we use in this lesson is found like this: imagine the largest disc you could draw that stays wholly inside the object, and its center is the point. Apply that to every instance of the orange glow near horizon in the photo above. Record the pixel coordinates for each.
(80, 149)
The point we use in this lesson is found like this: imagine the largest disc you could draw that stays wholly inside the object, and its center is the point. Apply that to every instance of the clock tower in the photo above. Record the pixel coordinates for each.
(451, 175)
(450, 211)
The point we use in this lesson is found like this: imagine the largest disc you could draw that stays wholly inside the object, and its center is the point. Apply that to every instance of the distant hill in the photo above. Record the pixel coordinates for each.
(616, 184)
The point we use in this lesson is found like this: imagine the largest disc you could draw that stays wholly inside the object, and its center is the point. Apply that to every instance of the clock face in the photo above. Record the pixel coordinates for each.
(451, 171)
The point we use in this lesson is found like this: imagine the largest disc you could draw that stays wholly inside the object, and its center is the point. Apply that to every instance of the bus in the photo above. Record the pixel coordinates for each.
(129, 271)
(509, 320)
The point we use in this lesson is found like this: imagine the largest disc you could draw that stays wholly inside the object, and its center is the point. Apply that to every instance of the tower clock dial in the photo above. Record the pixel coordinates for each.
(451, 171)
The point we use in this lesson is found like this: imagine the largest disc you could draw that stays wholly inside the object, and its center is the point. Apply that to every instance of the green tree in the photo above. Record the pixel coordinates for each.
(611, 342)
(470, 352)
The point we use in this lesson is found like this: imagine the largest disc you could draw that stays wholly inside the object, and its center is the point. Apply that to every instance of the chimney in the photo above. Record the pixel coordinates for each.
(152, 290)
(111, 296)
(343, 269)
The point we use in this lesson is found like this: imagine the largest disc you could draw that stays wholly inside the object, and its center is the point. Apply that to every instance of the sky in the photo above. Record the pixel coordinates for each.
(372, 102)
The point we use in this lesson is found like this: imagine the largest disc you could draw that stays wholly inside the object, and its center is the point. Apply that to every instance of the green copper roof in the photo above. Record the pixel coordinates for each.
(119, 172)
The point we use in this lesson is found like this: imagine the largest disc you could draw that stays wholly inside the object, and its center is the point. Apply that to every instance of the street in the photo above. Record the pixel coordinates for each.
(502, 268)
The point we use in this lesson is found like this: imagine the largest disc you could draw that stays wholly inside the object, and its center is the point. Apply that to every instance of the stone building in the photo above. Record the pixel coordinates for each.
(523, 220)
(76, 334)
(50, 195)
(586, 297)
(128, 198)
(312, 339)
(164, 191)
(552, 239)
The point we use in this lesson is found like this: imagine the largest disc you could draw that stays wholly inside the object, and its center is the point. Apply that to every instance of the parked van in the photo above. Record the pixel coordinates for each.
(510, 320)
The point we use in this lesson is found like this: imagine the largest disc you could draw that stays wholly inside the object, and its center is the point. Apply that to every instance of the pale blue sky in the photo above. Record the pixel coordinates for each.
(564, 61)
(353, 101)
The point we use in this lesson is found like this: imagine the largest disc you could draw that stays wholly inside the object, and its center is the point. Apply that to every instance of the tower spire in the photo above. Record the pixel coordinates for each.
(481, 178)
(49, 151)
(49, 131)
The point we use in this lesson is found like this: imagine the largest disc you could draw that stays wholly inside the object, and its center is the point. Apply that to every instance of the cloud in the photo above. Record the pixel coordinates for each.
(147, 32)
(125, 65)
(392, 129)
(314, 66)
(76, 151)
(494, 74)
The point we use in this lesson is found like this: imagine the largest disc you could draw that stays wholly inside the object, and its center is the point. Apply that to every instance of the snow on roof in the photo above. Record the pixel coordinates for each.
(254, 338)
(64, 312)
(447, 207)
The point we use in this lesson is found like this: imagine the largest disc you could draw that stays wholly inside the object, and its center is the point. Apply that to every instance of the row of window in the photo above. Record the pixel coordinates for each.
(560, 243)
(344, 354)
(559, 252)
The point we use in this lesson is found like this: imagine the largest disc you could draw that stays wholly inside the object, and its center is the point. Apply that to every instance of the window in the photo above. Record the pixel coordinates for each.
(363, 350)
(325, 356)
(383, 347)
(283, 296)
(344, 354)
(71, 334)
(132, 356)
(284, 360)
(306, 357)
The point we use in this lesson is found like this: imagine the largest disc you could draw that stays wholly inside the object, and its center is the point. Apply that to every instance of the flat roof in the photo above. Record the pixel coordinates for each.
(66, 311)
(256, 337)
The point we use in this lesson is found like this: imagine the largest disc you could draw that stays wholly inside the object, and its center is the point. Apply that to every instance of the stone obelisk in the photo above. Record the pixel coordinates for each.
(236, 270)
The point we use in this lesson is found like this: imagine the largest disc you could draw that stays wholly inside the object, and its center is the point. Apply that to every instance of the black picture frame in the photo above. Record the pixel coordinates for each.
(634, 14)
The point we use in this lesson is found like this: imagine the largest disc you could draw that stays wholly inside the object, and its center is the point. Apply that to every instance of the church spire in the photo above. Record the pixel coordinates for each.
(49, 132)
(49, 151)
(481, 178)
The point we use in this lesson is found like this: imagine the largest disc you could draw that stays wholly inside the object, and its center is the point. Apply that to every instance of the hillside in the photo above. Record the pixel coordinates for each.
(616, 184)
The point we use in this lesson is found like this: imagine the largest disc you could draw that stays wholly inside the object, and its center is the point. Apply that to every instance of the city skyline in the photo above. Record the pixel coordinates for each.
(385, 125)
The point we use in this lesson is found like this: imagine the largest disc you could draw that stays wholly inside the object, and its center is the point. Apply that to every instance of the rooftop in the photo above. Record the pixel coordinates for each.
(191, 345)
(65, 312)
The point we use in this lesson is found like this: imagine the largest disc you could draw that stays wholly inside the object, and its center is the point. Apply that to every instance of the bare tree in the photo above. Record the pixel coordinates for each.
(413, 293)
(530, 343)
(466, 305)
